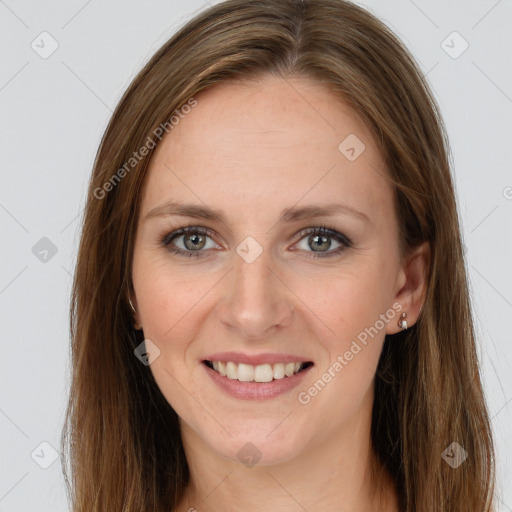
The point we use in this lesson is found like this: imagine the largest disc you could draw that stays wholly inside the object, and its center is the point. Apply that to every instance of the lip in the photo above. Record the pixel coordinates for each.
(256, 359)
(256, 390)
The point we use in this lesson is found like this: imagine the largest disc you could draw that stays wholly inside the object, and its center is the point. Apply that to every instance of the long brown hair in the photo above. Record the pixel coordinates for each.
(121, 435)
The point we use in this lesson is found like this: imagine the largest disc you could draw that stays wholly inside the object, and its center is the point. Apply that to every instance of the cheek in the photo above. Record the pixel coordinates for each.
(355, 306)
(170, 301)
(347, 301)
(173, 309)
(343, 381)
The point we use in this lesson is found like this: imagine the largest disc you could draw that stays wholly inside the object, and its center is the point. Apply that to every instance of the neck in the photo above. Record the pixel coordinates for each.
(332, 475)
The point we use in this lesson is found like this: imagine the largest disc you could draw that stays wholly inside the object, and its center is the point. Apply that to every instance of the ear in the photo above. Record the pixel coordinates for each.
(132, 302)
(411, 286)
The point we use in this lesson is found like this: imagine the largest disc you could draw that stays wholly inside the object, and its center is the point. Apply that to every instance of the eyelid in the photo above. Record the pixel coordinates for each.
(183, 230)
(342, 239)
(324, 230)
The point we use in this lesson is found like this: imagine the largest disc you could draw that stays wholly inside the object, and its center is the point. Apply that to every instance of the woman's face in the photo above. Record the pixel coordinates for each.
(254, 171)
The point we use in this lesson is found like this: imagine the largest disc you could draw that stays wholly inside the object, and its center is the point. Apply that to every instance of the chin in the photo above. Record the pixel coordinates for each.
(260, 445)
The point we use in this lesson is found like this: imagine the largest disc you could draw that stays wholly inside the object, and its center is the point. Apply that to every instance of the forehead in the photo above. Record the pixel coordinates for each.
(273, 140)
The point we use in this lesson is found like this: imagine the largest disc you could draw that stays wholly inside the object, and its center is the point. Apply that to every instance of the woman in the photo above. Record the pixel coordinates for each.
(270, 307)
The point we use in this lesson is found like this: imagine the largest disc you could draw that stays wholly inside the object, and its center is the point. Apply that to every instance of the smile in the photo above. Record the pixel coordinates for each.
(260, 373)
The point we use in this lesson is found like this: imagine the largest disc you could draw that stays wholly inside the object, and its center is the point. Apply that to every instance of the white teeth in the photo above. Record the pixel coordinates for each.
(245, 372)
(278, 371)
(231, 370)
(289, 369)
(261, 373)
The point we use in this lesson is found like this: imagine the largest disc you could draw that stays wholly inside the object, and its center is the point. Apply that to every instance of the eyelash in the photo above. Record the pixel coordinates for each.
(321, 230)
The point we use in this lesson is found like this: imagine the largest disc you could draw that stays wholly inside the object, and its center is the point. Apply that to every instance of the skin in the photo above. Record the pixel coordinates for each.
(250, 150)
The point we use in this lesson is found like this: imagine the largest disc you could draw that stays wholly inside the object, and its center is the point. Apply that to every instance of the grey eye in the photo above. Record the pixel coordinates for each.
(318, 243)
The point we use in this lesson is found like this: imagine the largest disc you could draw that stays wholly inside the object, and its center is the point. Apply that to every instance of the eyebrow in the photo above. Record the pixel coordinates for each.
(292, 214)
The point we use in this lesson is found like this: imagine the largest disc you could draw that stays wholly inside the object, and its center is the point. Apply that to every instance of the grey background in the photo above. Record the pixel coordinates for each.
(53, 112)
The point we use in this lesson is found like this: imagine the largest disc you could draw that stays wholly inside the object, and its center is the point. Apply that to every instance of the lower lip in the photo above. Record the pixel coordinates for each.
(256, 390)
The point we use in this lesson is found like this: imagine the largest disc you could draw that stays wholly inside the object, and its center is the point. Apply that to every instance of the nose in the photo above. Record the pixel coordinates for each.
(256, 301)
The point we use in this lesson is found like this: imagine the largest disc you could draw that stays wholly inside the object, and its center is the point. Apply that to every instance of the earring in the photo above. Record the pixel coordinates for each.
(137, 327)
(402, 323)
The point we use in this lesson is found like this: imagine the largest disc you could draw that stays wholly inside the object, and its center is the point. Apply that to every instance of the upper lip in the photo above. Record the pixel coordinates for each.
(256, 359)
